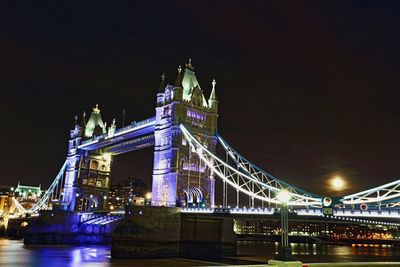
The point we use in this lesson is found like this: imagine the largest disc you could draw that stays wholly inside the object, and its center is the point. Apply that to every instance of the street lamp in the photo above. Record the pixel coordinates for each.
(148, 198)
(284, 253)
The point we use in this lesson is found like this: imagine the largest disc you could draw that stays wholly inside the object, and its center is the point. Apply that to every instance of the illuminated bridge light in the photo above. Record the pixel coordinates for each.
(265, 211)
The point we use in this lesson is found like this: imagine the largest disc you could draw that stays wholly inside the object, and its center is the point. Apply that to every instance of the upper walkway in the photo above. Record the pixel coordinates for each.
(128, 138)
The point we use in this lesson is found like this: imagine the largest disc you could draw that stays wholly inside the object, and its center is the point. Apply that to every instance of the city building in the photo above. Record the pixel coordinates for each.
(5, 192)
(131, 191)
(325, 230)
(27, 195)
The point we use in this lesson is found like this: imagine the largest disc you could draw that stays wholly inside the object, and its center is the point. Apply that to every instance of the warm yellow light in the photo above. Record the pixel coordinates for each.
(283, 196)
(148, 195)
(107, 156)
(337, 183)
(111, 207)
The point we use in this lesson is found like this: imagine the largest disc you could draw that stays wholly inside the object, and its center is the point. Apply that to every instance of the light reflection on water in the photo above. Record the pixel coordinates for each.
(259, 250)
(14, 253)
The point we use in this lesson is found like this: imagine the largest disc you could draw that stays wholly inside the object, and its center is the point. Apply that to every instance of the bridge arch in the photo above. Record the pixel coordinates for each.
(191, 196)
(89, 202)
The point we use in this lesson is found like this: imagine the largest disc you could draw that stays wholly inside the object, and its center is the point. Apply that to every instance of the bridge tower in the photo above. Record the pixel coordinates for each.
(86, 183)
(179, 176)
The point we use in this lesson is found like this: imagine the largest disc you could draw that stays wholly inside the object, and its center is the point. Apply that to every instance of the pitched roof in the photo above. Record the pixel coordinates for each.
(94, 120)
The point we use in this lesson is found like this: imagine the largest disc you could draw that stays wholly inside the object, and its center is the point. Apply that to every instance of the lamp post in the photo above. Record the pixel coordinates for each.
(284, 253)
(148, 199)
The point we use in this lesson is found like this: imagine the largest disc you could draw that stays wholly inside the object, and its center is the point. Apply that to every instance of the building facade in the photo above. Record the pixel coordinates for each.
(131, 191)
(324, 230)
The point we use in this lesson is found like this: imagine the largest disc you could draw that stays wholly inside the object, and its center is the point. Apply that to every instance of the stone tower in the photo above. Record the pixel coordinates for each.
(179, 176)
(87, 177)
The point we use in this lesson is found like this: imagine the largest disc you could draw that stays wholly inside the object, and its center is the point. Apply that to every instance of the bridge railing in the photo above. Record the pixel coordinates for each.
(241, 210)
(135, 124)
(99, 218)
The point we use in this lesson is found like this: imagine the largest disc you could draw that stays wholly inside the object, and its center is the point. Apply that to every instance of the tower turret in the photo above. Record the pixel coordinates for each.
(213, 100)
(82, 125)
(72, 162)
(178, 81)
(162, 85)
(178, 88)
(161, 90)
(111, 129)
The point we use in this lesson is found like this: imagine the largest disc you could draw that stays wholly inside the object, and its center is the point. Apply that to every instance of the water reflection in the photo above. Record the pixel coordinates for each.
(14, 253)
(320, 253)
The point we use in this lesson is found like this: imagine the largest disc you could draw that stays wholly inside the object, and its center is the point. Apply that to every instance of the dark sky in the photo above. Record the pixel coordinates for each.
(306, 90)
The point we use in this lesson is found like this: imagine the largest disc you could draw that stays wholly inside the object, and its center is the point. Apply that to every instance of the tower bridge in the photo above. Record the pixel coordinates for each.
(184, 136)
(186, 166)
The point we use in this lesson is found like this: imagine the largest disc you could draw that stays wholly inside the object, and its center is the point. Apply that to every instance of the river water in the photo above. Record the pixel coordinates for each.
(14, 253)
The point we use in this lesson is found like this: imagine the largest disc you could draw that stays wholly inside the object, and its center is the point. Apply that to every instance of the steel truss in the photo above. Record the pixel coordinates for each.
(387, 195)
(261, 175)
(255, 187)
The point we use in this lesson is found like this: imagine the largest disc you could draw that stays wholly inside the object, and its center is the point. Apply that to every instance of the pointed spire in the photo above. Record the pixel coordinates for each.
(178, 81)
(82, 125)
(76, 120)
(189, 65)
(83, 121)
(96, 109)
(213, 95)
(162, 85)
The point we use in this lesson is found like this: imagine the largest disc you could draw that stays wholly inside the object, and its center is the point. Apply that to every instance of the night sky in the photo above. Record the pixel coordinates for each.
(306, 91)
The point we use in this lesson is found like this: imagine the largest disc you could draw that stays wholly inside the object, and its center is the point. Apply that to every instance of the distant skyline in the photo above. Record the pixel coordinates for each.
(307, 91)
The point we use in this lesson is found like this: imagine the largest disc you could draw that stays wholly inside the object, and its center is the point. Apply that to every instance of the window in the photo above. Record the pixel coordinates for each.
(94, 165)
(166, 111)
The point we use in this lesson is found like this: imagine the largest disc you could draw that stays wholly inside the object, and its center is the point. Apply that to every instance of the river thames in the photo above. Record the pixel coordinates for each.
(15, 253)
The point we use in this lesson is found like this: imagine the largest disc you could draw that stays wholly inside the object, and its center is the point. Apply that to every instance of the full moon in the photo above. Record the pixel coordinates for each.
(337, 183)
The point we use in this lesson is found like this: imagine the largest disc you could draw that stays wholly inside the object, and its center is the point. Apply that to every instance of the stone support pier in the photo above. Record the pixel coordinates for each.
(161, 232)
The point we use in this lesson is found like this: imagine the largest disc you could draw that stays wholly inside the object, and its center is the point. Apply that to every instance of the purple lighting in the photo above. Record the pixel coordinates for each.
(195, 115)
(193, 167)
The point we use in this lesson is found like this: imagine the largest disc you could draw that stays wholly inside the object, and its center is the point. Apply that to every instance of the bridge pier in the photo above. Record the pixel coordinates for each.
(150, 232)
(60, 227)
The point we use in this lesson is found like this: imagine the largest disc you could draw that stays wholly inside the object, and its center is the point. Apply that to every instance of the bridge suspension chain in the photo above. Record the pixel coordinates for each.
(243, 182)
(46, 197)
(52, 191)
(256, 172)
(387, 195)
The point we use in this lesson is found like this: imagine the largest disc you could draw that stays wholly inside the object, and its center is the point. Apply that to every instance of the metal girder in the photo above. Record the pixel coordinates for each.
(263, 176)
(264, 190)
(387, 194)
